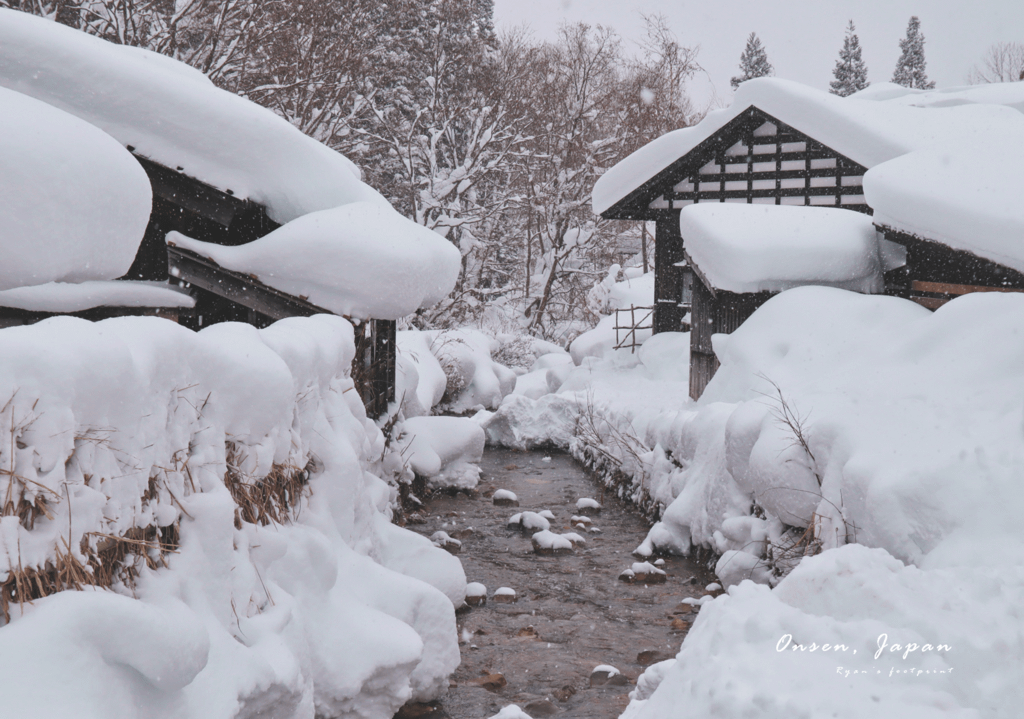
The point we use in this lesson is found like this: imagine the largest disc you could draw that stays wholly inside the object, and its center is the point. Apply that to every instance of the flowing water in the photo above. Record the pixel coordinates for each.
(571, 614)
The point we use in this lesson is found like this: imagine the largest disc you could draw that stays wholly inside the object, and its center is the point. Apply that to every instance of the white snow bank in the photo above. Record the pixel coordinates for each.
(474, 379)
(913, 420)
(757, 248)
(172, 115)
(814, 646)
(135, 423)
(78, 296)
(965, 196)
(599, 341)
(445, 450)
(73, 203)
(359, 260)
(421, 381)
(865, 130)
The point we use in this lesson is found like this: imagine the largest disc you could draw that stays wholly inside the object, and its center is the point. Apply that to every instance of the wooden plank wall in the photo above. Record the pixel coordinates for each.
(668, 289)
(718, 313)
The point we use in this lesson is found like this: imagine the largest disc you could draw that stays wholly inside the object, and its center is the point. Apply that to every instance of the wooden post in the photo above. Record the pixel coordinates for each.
(643, 244)
(668, 291)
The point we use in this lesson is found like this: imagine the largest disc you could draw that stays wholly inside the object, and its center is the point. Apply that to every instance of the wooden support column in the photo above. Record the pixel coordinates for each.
(668, 291)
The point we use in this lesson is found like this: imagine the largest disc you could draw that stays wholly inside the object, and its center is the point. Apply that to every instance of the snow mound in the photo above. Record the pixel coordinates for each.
(758, 248)
(73, 203)
(134, 426)
(914, 632)
(168, 113)
(445, 450)
(421, 381)
(600, 340)
(475, 381)
(360, 260)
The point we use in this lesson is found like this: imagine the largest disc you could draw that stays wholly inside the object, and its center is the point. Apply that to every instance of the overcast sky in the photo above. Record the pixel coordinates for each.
(802, 37)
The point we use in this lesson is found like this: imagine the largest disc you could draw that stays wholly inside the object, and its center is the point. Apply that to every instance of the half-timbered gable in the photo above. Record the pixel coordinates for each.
(756, 159)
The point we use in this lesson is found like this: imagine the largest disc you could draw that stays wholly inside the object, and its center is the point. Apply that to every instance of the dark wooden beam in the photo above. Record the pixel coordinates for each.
(187, 266)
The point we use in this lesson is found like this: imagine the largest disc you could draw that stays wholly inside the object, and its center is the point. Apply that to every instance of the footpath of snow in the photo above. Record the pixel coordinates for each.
(914, 421)
(174, 115)
(758, 248)
(73, 203)
(360, 260)
(967, 197)
(130, 423)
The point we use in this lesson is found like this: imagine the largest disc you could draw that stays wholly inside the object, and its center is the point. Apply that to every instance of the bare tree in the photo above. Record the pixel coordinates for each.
(1003, 62)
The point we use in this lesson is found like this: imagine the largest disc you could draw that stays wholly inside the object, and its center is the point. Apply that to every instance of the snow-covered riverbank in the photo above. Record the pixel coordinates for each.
(912, 443)
(222, 479)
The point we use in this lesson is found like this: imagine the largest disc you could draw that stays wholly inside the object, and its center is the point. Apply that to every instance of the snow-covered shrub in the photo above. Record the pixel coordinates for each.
(213, 487)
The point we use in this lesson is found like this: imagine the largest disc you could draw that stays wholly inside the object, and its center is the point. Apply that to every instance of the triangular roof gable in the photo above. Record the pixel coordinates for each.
(636, 204)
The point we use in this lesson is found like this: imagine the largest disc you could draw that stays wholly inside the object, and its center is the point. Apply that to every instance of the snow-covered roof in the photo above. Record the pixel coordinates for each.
(174, 115)
(361, 260)
(63, 297)
(867, 128)
(969, 197)
(73, 203)
(757, 248)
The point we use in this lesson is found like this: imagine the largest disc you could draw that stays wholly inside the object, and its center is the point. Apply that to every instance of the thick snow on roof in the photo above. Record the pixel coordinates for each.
(756, 248)
(73, 203)
(868, 131)
(969, 197)
(78, 296)
(360, 260)
(172, 114)
(1010, 94)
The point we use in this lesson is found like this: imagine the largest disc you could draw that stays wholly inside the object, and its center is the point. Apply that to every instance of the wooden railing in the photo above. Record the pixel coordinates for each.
(625, 335)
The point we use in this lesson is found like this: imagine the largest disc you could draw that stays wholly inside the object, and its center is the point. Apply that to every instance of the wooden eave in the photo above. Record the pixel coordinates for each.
(636, 205)
(246, 220)
(245, 290)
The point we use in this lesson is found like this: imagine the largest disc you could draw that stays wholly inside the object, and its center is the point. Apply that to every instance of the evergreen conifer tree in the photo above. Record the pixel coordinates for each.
(850, 72)
(910, 67)
(753, 62)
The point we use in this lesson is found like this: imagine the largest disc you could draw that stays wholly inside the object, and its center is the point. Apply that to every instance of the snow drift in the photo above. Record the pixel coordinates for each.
(360, 260)
(73, 203)
(220, 477)
(172, 114)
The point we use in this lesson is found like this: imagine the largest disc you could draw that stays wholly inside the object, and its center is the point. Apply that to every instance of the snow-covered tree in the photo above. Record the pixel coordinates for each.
(753, 62)
(851, 73)
(910, 67)
(1004, 62)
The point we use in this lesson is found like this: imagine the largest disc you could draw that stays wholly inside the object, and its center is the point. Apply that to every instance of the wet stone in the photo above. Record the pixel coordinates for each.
(491, 682)
(601, 677)
(419, 710)
(540, 708)
(652, 656)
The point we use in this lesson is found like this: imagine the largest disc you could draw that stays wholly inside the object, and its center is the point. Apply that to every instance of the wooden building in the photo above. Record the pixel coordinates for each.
(936, 273)
(203, 212)
(713, 311)
(740, 256)
(754, 158)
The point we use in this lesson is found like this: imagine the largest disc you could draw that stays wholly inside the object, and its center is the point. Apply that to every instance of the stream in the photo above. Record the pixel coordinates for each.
(572, 613)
